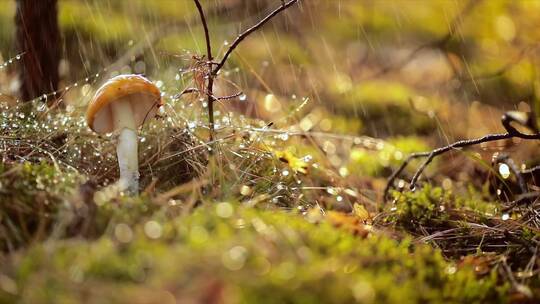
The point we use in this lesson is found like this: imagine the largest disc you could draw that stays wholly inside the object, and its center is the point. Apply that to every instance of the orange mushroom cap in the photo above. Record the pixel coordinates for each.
(144, 97)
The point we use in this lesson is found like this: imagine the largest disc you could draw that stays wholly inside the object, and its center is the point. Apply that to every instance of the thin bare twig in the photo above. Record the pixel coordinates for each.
(229, 97)
(186, 91)
(210, 87)
(213, 71)
(511, 133)
(251, 30)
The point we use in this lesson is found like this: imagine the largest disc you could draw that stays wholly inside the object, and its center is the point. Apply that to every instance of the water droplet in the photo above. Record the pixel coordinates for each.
(504, 170)
(242, 97)
(283, 136)
(224, 210)
(123, 233)
(153, 229)
(246, 190)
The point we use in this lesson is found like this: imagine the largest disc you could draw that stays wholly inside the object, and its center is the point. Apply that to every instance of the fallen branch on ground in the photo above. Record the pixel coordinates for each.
(506, 120)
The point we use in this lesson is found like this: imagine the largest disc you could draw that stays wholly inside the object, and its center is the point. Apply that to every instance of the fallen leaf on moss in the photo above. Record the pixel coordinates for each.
(350, 223)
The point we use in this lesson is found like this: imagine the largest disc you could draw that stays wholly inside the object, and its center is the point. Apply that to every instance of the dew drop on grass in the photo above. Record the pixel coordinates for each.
(331, 191)
(504, 170)
(242, 97)
(284, 136)
(245, 190)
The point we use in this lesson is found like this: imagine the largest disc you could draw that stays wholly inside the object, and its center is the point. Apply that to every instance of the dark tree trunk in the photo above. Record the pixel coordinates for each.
(38, 38)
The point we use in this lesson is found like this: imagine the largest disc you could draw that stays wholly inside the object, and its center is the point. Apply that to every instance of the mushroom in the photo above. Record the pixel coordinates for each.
(121, 105)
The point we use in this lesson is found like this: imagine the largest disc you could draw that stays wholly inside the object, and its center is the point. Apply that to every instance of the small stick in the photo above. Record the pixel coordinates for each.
(210, 87)
(213, 72)
(249, 31)
(511, 133)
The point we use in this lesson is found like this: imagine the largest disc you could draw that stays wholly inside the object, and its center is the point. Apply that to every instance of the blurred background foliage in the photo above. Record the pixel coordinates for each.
(363, 64)
(352, 58)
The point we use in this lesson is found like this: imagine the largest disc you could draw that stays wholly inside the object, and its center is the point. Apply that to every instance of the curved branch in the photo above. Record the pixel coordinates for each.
(511, 132)
(249, 31)
(210, 86)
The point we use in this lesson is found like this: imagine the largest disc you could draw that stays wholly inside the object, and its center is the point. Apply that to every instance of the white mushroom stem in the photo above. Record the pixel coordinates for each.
(126, 150)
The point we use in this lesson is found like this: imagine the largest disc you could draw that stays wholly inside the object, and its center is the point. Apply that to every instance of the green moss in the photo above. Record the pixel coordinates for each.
(367, 162)
(388, 106)
(251, 256)
(423, 206)
(474, 201)
(31, 197)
